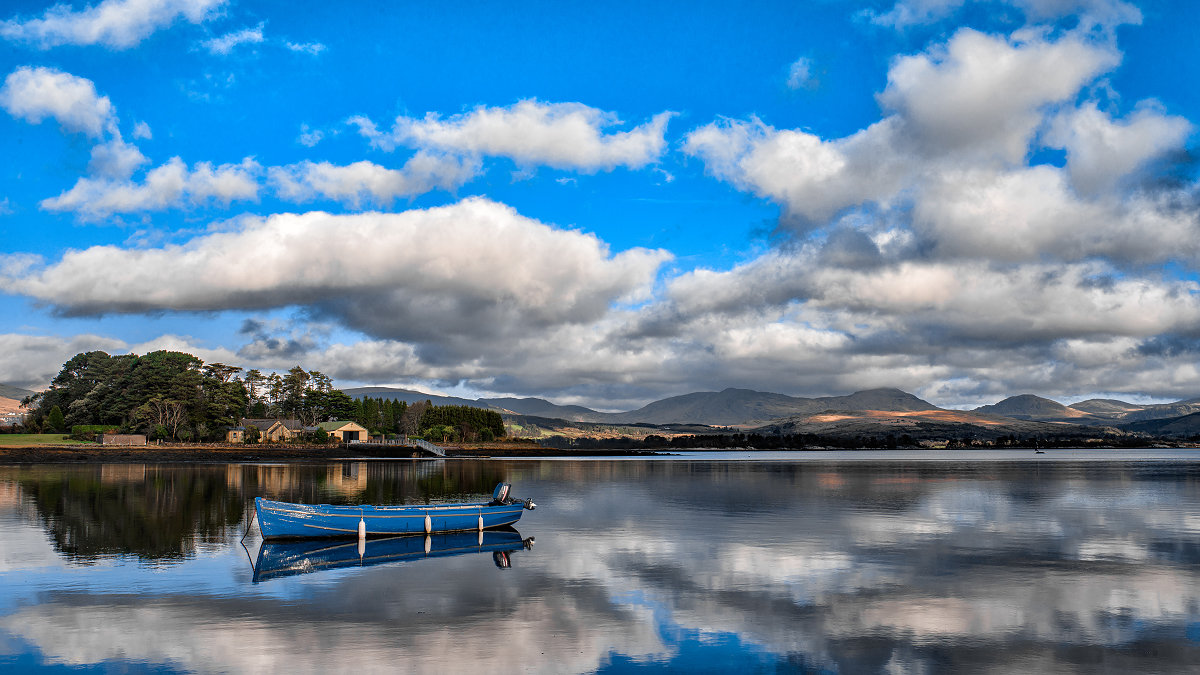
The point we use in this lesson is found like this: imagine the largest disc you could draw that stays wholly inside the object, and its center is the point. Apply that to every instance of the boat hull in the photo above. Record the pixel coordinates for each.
(281, 520)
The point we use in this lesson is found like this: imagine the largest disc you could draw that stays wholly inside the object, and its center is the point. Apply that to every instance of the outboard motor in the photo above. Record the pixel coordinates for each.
(500, 494)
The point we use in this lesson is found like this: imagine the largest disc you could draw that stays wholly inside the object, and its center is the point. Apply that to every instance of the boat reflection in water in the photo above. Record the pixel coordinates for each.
(289, 558)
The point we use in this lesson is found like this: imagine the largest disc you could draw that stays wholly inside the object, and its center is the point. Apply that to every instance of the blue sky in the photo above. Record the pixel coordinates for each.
(609, 204)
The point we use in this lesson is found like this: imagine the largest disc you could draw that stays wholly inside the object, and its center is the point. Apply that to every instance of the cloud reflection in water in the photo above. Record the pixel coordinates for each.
(843, 567)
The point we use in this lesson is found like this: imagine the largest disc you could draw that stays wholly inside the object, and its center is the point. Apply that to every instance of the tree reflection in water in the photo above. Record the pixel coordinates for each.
(162, 512)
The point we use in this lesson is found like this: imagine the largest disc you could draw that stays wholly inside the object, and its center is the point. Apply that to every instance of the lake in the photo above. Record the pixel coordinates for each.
(925, 562)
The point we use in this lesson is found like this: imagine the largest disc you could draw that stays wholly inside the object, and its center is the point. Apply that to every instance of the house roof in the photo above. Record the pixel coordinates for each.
(338, 424)
(264, 424)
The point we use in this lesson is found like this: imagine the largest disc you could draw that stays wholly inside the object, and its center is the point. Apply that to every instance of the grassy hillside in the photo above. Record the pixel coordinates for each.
(1187, 425)
(35, 440)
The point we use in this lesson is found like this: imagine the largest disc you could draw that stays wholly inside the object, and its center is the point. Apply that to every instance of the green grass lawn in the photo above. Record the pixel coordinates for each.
(30, 440)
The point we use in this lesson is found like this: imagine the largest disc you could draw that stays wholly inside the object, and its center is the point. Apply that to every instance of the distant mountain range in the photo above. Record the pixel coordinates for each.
(859, 412)
(870, 411)
(520, 406)
(9, 391)
(1095, 412)
(10, 399)
(727, 407)
(865, 412)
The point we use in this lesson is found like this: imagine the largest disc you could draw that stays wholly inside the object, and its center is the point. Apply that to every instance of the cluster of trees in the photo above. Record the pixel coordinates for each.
(442, 423)
(174, 395)
(387, 417)
(733, 441)
(807, 441)
(461, 422)
(1064, 441)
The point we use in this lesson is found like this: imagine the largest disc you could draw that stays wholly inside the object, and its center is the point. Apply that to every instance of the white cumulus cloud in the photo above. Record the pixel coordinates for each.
(31, 361)
(947, 168)
(118, 24)
(115, 159)
(475, 268)
(1101, 150)
(812, 177)
(169, 185)
(367, 181)
(984, 95)
(560, 135)
(978, 100)
(37, 93)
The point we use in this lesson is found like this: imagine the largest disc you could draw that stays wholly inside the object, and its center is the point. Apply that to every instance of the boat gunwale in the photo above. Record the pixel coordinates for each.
(335, 509)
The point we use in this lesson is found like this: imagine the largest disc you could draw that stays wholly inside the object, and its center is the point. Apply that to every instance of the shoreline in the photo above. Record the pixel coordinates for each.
(206, 454)
(193, 454)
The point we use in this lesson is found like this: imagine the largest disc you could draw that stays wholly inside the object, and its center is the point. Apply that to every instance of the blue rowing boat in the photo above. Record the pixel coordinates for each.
(280, 520)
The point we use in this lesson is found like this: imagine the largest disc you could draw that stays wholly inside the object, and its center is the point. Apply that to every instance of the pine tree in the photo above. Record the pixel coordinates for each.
(56, 421)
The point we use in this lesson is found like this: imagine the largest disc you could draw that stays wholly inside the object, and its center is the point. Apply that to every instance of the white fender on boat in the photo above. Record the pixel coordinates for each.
(362, 528)
(428, 525)
(481, 522)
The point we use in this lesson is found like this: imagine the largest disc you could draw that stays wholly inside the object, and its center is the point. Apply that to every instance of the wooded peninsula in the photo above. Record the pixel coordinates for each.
(175, 396)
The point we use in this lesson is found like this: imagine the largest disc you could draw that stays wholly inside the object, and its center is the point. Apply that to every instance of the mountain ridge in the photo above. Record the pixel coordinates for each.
(10, 391)
(1033, 408)
(728, 407)
(748, 408)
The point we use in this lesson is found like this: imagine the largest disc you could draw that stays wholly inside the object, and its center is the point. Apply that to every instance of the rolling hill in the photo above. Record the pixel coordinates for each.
(1030, 407)
(521, 406)
(9, 391)
(406, 395)
(1120, 411)
(1106, 407)
(920, 424)
(538, 407)
(9, 406)
(744, 406)
(1185, 425)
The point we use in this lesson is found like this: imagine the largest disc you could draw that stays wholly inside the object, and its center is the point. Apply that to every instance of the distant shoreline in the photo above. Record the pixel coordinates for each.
(199, 454)
(223, 454)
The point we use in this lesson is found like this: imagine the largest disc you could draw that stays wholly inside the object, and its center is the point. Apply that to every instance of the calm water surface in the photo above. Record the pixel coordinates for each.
(826, 562)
